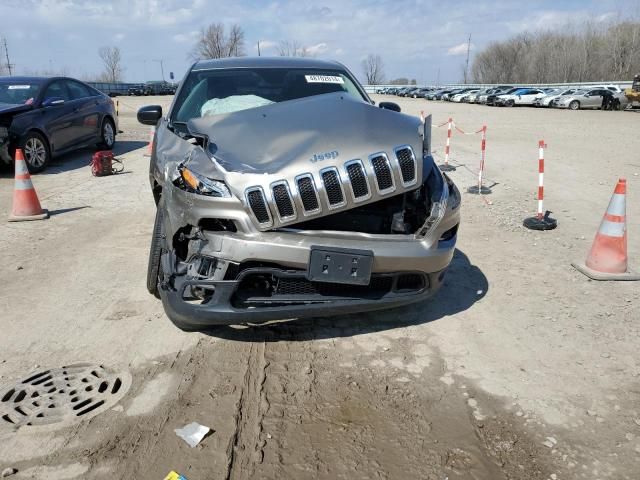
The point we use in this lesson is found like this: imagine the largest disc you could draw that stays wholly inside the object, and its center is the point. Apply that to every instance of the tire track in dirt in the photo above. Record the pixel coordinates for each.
(245, 446)
(311, 414)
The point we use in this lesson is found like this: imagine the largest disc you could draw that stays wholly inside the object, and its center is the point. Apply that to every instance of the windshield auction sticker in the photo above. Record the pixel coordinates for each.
(18, 87)
(323, 79)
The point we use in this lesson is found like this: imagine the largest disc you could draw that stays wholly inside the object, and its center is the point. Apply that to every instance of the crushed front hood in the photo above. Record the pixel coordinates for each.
(298, 134)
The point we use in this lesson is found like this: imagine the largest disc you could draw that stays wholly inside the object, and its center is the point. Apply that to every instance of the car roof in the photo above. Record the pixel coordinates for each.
(24, 79)
(39, 80)
(265, 62)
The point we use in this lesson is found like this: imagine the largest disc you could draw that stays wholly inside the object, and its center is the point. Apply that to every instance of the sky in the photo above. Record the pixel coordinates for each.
(421, 39)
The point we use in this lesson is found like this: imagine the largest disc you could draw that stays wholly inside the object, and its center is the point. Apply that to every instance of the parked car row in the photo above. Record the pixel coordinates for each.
(152, 88)
(606, 97)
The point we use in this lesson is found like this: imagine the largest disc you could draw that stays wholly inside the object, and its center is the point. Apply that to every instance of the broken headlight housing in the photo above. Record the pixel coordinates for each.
(196, 183)
(438, 190)
(194, 175)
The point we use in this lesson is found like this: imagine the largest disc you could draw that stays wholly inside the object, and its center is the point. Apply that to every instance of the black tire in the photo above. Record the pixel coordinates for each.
(107, 134)
(510, 103)
(36, 151)
(574, 105)
(155, 253)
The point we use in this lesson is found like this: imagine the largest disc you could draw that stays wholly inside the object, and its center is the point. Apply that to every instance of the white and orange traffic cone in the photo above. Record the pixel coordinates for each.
(26, 205)
(152, 133)
(607, 259)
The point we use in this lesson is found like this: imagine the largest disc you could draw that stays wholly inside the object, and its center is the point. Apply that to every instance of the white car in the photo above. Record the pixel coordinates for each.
(484, 94)
(461, 97)
(477, 96)
(524, 96)
(550, 96)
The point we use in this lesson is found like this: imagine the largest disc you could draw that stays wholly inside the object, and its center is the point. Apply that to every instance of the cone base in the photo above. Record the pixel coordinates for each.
(535, 223)
(603, 276)
(27, 218)
(447, 168)
(477, 190)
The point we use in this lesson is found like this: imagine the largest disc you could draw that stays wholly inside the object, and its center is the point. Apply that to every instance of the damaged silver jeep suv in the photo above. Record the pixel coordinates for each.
(283, 192)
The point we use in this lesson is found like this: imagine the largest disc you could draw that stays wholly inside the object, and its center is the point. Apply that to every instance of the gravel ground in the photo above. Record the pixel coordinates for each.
(520, 368)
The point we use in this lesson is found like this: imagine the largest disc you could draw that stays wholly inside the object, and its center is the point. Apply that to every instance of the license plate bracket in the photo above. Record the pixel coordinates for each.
(340, 265)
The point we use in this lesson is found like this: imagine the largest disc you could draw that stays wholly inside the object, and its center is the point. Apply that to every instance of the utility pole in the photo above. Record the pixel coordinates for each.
(466, 67)
(161, 67)
(6, 52)
(438, 78)
(258, 47)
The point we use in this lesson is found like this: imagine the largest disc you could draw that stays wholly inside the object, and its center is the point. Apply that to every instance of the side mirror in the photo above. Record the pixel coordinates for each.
(53, 102)
(150, 114)
(390, 106)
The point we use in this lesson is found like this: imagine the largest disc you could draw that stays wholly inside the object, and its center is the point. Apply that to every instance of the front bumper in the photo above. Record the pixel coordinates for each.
(223, 307)
(284, 255)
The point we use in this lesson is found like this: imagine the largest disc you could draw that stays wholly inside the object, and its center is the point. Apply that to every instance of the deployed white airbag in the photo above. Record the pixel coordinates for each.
(234, 103)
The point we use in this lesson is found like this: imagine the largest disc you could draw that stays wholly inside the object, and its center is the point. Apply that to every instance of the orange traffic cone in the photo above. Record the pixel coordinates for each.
(152, 134)
(26, 205)
(607, 259)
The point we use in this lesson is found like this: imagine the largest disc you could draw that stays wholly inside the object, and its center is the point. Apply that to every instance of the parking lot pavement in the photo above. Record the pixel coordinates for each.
(519, 368)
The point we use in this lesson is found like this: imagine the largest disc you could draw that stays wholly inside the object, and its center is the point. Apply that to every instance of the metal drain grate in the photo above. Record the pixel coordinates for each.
(66, 394)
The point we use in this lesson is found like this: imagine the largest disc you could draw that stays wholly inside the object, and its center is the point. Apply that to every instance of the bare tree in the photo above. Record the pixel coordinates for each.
(373, 69)
(214, 43)
(292, 48)
(587, 52)
(112, 63)
(235, 41)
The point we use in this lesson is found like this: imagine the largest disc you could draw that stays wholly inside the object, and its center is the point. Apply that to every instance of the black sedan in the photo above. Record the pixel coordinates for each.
(51, 116)
(136, 90)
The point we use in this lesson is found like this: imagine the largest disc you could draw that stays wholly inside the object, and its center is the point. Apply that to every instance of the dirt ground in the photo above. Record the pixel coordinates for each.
(520, 368)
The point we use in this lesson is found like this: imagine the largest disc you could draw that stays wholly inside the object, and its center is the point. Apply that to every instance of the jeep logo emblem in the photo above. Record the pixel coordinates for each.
(318, 157)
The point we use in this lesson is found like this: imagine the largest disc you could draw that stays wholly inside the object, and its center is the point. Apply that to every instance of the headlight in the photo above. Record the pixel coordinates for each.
(202, 185)
(438, 190)
(199, 174)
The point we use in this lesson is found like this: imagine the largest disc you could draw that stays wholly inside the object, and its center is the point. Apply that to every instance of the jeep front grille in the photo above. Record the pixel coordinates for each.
(358, 179)
(333, 187)
(258, 205)
(308, 194)
(382, 170)
(407, 163)
(362, 178)
(283, 201)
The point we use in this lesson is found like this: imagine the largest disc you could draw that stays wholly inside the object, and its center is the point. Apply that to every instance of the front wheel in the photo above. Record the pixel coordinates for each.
(36, 151)
(511, 103)
(155, 253)
(575, 105)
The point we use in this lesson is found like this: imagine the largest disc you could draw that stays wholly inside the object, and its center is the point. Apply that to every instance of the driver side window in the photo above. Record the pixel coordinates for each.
(57, 89)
